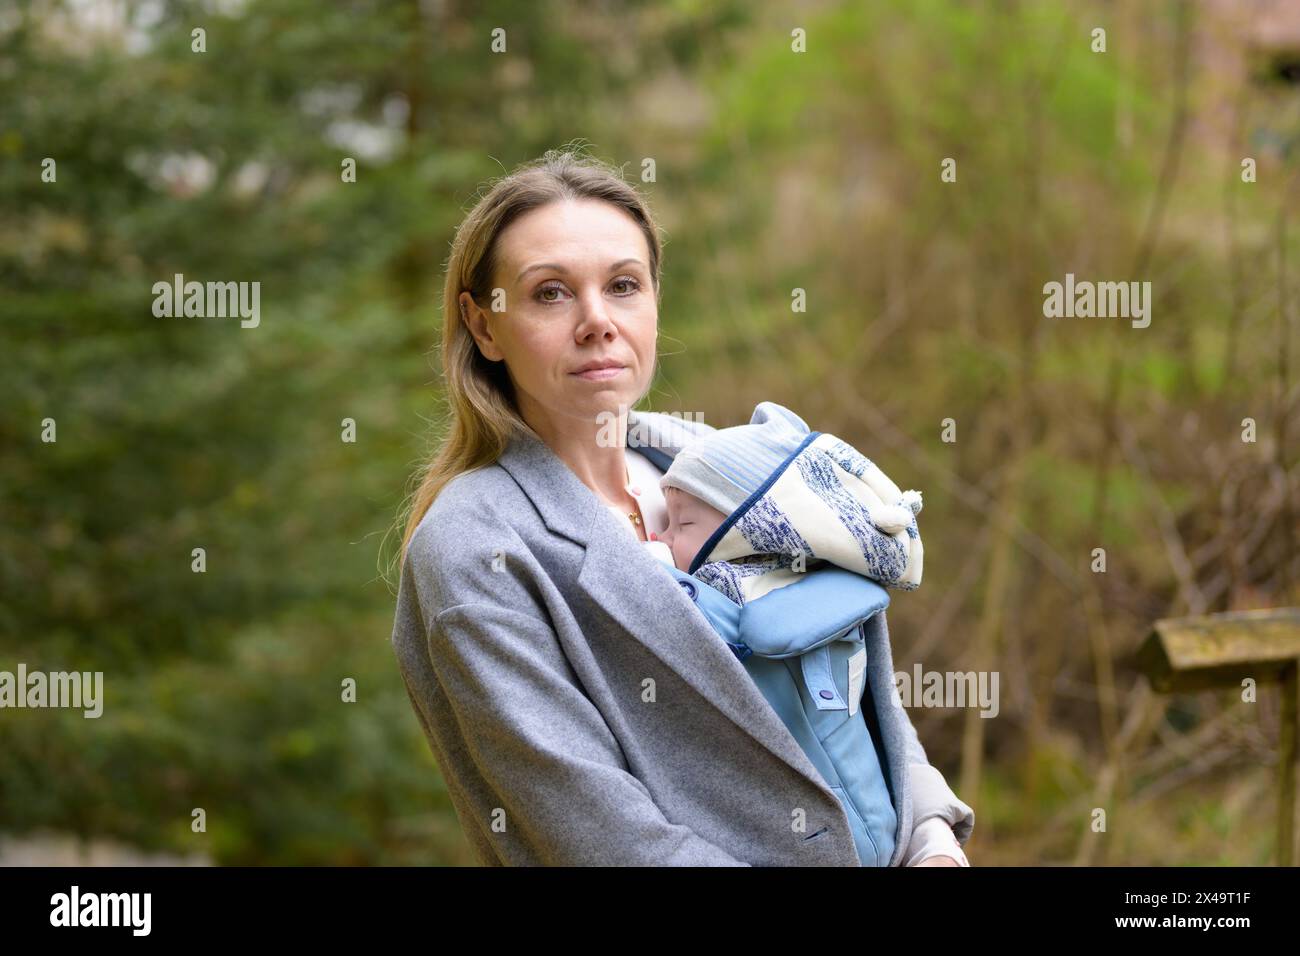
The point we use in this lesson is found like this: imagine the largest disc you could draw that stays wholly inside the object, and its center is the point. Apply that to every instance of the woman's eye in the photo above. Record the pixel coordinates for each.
(541, 293)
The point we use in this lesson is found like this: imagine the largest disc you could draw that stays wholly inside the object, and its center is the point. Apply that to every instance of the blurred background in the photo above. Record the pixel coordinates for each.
(773, 170)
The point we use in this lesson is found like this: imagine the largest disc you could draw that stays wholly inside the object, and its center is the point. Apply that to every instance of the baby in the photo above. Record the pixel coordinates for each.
(789, 499)
(794, 532)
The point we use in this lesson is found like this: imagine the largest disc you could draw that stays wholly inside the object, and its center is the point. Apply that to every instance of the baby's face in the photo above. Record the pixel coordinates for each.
(690, 522)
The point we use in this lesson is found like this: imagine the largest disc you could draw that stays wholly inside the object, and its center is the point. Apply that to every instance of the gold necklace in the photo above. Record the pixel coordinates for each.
(633, 516)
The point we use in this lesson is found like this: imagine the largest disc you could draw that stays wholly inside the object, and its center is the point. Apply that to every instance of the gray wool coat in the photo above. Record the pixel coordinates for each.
(583, 711)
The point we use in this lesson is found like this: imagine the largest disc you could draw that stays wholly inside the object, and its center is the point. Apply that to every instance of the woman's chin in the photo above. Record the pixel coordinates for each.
(594, 398)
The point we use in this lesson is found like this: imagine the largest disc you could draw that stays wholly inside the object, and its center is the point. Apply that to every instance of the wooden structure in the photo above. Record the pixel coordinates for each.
(1221, 650)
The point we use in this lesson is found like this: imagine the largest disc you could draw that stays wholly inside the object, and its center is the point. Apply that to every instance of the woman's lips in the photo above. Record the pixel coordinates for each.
(599, 374)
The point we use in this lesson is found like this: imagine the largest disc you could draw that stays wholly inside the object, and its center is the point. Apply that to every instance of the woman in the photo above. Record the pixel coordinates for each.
(581, 709)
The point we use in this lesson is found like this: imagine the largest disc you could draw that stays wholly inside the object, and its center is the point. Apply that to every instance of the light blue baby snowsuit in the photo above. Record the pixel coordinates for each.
(803, 646)
(786, 581)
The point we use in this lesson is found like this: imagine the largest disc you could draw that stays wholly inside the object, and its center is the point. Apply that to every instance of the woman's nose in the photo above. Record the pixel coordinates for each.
(594, 318)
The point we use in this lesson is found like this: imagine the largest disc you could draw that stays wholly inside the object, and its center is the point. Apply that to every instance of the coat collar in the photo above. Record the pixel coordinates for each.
(621, 577)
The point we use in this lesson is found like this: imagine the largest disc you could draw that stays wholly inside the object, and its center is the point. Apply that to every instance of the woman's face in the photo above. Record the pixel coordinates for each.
(576, 276)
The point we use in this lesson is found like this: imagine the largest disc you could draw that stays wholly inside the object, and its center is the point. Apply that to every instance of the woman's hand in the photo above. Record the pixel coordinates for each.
(938, 861)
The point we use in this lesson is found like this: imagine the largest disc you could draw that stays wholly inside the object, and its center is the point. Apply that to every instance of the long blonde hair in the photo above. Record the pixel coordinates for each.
(482, 414)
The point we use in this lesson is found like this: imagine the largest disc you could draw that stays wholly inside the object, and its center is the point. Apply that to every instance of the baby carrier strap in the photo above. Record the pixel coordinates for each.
(822, 607)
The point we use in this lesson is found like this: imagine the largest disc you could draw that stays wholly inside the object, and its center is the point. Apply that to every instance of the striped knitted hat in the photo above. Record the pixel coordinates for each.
(787, 491)
(725, 467)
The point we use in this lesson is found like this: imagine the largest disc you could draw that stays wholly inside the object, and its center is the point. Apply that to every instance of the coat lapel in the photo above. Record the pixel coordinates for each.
(621, 577)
